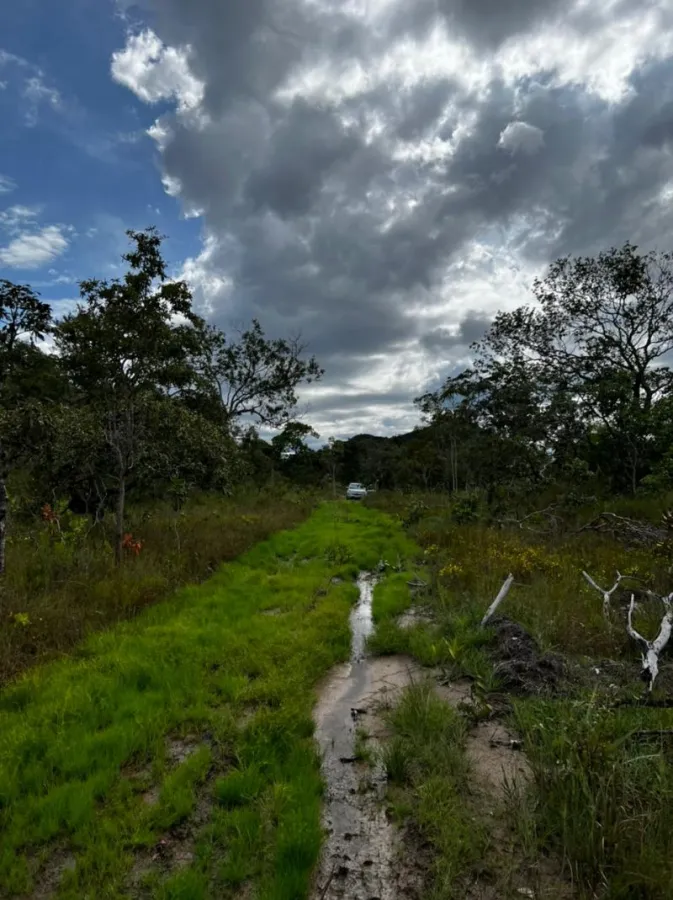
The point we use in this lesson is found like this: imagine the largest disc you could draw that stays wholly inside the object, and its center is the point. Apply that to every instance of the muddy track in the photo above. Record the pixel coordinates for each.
(366, 856)
(362, 857)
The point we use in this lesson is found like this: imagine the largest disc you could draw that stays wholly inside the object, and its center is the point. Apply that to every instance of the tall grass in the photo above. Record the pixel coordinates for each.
(429, 776)
(61, 582)
(601, 796)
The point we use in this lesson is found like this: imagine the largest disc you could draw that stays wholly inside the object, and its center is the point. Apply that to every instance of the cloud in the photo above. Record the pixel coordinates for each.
(33, 250)
(155, 72)
(520, 137)
(468, 331)
(15, 218)
(32, 87)
(7, 184)
(385, 176)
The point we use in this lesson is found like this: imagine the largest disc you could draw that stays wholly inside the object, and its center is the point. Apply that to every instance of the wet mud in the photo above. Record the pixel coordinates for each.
(362, 857)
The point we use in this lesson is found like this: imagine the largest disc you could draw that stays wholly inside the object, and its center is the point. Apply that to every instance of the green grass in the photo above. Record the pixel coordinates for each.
(429, 776)
(83, 740)
(61, 583)
(601, 798)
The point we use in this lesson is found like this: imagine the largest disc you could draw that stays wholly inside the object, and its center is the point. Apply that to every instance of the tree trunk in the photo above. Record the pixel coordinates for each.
(4, 507)
(119, 521)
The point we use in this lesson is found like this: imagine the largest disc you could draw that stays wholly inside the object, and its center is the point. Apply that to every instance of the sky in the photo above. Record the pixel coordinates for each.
(378, 176)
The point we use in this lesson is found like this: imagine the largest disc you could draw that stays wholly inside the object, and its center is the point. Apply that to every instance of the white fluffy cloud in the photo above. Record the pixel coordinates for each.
(155, 72)
(31, 250)
(7, 184)
(519, 137)
(384, 176)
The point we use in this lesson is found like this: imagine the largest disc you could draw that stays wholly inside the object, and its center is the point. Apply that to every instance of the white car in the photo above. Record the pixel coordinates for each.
(356, 491)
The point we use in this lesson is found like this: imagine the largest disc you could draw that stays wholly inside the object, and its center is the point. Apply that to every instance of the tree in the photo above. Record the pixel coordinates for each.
(291, 440)
(255, 377)
(587, 359)
(128, 344)
(333, 454)
(24, 320)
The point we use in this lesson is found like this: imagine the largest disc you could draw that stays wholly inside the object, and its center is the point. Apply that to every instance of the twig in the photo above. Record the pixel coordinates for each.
(323, 893)
(498, 600)
(547, 512)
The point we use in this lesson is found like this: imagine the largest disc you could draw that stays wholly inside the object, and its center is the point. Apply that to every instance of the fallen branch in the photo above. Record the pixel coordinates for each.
(606, 594)
(651, 650)
(504, 590)
(323, 893)
(629, 530)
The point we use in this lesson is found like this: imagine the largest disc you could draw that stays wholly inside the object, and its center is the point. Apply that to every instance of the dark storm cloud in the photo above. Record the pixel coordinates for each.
(239, 49)
(421, 107)
(660, 130)
(618, 200)
(472, 328)
(308, 145)
(328, 227)
(497, 184)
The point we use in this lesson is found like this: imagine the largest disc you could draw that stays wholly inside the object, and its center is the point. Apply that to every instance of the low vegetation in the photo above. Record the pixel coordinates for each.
(173, 756)
(600, 794)
(429, 778)
(62, 582)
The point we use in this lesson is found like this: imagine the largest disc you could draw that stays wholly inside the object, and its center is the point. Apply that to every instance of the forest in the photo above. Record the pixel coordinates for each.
(178, 568)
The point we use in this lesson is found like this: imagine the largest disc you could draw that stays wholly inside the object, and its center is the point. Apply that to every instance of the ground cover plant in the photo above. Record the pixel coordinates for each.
(61, 581)
(600, 791)
(172, 756)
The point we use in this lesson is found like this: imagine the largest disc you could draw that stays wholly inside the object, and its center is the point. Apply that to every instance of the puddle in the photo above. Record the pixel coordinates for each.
(362, 854)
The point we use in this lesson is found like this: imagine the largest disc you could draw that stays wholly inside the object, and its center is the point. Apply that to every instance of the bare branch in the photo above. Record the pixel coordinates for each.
(504, 590)
(628, 530)
(651, 650)
(607, 594)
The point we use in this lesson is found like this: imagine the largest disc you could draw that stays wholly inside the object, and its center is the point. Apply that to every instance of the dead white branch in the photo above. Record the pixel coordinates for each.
(651, 650)
(498, 600)
(606, 594)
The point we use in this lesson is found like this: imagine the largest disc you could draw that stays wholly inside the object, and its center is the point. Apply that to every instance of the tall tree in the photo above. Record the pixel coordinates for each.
(129, 342)
(588, 357)
(24, 320)
(254, 377)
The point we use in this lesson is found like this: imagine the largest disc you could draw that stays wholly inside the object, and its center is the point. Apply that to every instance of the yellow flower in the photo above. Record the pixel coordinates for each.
(21, 619)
